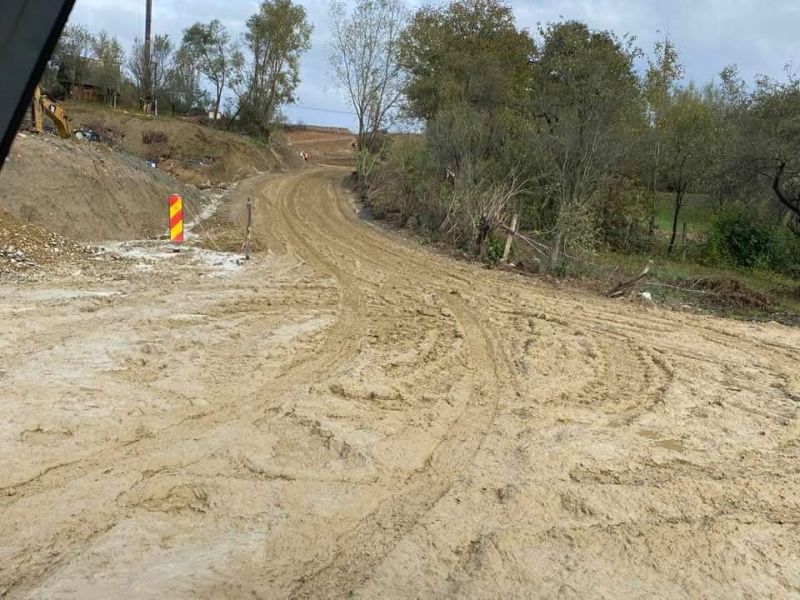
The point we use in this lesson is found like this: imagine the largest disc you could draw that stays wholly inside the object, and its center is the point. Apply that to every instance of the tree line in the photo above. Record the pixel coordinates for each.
(259, 70)
(560, 127)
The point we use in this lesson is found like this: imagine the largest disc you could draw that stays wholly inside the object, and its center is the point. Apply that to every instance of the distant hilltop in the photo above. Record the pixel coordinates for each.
(319, 128)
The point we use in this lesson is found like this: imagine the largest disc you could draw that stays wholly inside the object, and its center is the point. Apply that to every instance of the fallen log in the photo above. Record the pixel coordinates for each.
(624, 287)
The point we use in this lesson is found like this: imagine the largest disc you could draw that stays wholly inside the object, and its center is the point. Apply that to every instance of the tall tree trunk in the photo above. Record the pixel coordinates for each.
(216, 104)
(678, 203)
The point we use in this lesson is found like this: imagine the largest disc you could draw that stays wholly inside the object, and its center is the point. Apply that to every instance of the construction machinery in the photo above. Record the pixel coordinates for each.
(42, 104)
(29, 30)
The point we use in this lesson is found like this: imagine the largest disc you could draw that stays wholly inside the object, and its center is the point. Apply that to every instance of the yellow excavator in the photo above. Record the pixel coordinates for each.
(29, 31)
(42, 104)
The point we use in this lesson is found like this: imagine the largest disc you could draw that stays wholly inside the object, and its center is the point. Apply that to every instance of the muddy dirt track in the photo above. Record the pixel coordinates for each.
(348, 415)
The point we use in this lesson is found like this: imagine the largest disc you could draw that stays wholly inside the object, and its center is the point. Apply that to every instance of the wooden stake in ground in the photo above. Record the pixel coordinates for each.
(510, 237)
(246, 245)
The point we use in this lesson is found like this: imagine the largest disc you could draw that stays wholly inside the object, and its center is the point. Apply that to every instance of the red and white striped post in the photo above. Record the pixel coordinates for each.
(176, 220)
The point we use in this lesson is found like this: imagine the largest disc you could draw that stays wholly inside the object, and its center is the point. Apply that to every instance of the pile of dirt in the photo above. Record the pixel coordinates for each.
(190, 151)
(87, 191)
(24, 246)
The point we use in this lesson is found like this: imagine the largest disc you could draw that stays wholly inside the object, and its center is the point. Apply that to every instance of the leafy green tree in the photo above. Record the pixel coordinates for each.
(73, 49)
(276, 37)
(160, 65)
(467, 52)
(772, 130)
(664, 70)
(182, 87)
(729, 179)
(585, 101)
(468, 69)
(107, 66)
(688, 139)
(209, 43)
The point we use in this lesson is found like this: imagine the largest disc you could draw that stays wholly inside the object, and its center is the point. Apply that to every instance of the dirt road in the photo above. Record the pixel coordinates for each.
(349, 415)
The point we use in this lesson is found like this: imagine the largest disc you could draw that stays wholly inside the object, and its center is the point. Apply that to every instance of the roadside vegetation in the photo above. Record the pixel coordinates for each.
(605, 166)
(191, 74)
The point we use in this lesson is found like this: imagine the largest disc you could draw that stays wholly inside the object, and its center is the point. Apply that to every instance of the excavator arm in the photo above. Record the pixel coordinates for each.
(43, 104)
(29, 30)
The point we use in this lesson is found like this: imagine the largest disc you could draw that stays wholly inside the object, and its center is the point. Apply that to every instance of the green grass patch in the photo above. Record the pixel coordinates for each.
(726, 291)
(698, 212)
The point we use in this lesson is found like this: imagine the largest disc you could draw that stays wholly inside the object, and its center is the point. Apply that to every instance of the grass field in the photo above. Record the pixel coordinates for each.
(697, 212)
(681, 279)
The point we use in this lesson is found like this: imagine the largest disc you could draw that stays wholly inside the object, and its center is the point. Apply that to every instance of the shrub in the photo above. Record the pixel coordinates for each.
(624, 210)
(404, 184)
(157, 146)
(154, 137)
(746, 239)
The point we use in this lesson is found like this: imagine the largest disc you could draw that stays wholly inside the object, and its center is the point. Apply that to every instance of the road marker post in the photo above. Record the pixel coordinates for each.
(246, 245)
(176, 221)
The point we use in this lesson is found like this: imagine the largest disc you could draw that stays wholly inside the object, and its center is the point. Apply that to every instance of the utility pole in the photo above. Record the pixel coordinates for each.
(148, 80)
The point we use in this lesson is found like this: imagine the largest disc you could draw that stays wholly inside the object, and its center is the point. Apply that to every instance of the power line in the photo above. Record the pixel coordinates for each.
(329, 110)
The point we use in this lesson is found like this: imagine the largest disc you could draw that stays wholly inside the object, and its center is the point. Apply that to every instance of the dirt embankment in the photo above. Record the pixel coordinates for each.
(106, 189)
(190, 151)
(325, 145)
(86, 192)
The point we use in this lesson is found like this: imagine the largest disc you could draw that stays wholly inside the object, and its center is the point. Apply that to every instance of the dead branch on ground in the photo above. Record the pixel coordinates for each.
(625, 287)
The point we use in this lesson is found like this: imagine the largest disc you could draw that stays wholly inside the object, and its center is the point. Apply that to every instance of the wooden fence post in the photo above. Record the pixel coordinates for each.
(510, 237)
(246, 245)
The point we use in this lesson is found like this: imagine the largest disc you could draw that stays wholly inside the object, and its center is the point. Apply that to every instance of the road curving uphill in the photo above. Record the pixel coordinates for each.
(348, 415)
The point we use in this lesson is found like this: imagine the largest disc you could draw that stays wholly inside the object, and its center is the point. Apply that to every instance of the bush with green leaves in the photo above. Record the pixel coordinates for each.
(748, 240)
(403, 182)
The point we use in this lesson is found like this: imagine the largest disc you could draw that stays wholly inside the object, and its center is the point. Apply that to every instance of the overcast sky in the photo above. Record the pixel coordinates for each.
(758, 35)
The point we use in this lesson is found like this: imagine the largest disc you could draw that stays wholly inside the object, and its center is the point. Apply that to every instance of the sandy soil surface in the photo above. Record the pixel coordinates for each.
(347, 415)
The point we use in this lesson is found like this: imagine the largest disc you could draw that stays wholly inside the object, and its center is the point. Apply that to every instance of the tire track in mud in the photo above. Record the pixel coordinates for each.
(346, 257)
(508, 365)
(340, 343)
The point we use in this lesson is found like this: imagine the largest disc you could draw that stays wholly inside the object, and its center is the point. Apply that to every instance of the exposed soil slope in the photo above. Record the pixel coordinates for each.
(325, 145)
(192, 152)
(86, 192)
(349, 416)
